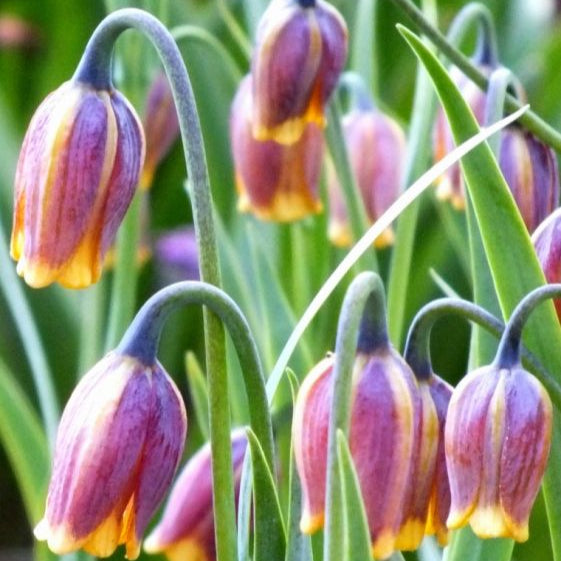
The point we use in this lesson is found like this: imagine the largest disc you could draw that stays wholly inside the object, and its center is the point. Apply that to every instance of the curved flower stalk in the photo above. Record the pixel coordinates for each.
(123, 429)
(392, 426)
(497, 437)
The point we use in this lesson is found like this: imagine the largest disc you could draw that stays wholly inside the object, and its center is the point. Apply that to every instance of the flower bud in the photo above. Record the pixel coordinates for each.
(160, 125)
(76, 175)
(439, 505)
(497, 439)
(274, 181)
(177, 256)
(450, 185)
(547, 243)
(186, 530)
(530, 169)
(300, 52)
(376, 148)
(118, 445)
(390, 454)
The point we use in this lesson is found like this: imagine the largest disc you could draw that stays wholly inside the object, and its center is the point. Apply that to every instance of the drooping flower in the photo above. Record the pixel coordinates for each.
(497, 439)
(547, 243)
(392, 442)
(530, 169)
(118, 445)
(161, 126)
(376, 148)
(439, 504)
(300, 52)
(177, 256)
(186, 531)
(450, 185)
(274, 181)
(76, 175)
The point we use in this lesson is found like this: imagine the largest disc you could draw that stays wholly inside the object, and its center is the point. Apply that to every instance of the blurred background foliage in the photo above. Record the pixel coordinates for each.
(53, 34)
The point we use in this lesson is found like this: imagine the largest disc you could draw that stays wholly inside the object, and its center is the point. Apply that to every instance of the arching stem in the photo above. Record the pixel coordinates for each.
(95, 68)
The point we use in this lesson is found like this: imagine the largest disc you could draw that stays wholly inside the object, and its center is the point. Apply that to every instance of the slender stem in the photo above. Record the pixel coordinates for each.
(361, 327)
(530, 120)
(417, 346)
(508, 353)
(125, 275)
(499, 83)
(351, 194)
(417, 351)
(31, 341)
(95, 68)
(199, 34)
(142, 339)
(487, 52)
(235, 29)
(355, 85)
(417, 156)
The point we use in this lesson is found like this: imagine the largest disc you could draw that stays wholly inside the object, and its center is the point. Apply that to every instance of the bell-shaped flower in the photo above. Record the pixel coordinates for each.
(119, 442)
(76, 175)
(186, 531)
(300, 52)
(450, 185)
(497, 439)
(160, 125)
(547, 243)
(439, 505)
(530, 169)
(274, 181)
(376, 147)
(392, 439)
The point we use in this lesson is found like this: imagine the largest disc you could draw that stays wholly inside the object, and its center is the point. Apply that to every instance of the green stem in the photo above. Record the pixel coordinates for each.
(31, 341)
(235, 29)
(199, 34)
(125, 275)
(364, 308)
(417, 349)
(487, 52)
(91, 325)
(508, 353)
(143, 335)
(418, 155)
(95, 68)
(351, 194)
(499, 82)
(530, 120)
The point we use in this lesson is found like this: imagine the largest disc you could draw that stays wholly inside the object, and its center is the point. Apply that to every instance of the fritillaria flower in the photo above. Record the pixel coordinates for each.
(176, 255)
(439, 504)
(392, 439)
(118, 445)
(300, 52)
(450, 185)
(530, 169)
(274, 181)
(160, 125)
(186, 531)
(76, 175)
(547, 243)
(497, 438)
(376, 148)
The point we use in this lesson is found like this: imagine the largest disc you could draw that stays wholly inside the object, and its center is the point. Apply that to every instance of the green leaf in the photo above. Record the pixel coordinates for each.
(270, 537)
(466, 545)
(357, 533)
(299, 546)
(512, 260)
(199, 392)
(25, 443)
